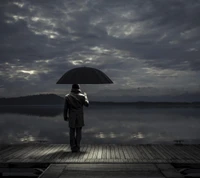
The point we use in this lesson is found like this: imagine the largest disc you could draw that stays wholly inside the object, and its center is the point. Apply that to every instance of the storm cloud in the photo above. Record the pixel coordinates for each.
(148, 47)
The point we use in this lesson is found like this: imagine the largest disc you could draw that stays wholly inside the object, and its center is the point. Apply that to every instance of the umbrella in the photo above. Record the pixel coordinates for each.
(84, 75)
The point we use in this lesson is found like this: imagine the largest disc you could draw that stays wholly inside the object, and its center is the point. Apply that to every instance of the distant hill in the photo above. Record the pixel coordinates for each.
(53, 99)
(41, 99)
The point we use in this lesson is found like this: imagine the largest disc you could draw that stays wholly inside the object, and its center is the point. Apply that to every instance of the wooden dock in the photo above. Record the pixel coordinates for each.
(61, 153)
(57, 160)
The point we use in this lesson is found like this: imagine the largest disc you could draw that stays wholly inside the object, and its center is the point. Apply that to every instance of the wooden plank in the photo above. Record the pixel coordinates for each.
(121, 153)
(99, 152)
(142, 153)
(96, 150)
(25, 157)
(104, 154)
(108, 152)
(157, 151)
(34, 150)
(57, 151)
(125, 152)
(189, 157)
(91, 152)
(195, 150)
(112, 151)
(171, 153)
(197, 146)
(43, 154)
(111, 167)
(174, 155)
(46, 152)
(87, 152)
(53, 171)
(154, 153)
(38, 150)
(7, 150)
(66, 155)
(133, 153)
(58, 157)
(174, 150)
(148, 155)
(141, 159)
(131, 156)
(25, 151)
(164, 152)
(15, 153)
(82, 153)
(11, 152)
(191, 152)
(116, 150)
(184, 155)
(128, 149)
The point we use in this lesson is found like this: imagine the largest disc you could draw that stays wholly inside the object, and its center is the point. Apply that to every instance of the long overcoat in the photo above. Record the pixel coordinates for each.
(74, 102)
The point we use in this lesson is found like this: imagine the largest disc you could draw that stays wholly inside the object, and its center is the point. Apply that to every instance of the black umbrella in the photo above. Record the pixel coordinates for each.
(84, 75)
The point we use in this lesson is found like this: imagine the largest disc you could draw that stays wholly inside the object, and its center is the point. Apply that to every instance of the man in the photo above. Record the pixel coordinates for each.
(74, 104)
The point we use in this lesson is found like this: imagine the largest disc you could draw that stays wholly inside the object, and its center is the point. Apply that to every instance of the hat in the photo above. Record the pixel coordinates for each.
(76, 86)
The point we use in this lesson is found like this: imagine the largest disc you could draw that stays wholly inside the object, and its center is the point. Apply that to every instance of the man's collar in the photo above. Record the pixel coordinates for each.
(75, 90)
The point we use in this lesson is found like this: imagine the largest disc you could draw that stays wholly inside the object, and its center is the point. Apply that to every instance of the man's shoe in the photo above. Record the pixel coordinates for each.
(74, 151)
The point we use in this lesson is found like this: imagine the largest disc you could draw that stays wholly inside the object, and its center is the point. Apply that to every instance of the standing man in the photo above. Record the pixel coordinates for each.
(74, 104)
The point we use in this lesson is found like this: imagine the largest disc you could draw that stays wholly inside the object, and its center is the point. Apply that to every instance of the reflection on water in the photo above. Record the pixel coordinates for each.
(103, 124)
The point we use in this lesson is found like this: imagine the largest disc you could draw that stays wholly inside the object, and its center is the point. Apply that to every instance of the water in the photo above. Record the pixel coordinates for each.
(103, 124)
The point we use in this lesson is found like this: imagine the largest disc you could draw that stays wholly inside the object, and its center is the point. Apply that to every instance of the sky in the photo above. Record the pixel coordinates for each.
(149, 48)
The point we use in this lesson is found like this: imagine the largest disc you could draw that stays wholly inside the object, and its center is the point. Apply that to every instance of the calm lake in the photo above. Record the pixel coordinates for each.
(113, 124)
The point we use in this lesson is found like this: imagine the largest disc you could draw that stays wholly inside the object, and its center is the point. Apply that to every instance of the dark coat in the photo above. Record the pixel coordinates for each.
(74, 104)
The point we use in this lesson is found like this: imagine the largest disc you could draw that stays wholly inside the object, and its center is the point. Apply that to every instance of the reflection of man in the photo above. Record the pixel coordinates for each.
(74, 103)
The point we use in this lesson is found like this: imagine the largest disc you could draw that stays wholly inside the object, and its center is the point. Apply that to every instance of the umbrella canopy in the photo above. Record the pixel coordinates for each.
(84, 75)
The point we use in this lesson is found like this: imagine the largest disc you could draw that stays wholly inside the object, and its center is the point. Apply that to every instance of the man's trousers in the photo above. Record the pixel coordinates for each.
(75, 138)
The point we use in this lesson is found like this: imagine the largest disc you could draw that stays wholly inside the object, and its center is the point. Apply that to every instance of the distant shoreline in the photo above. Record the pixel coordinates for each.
(53, 99)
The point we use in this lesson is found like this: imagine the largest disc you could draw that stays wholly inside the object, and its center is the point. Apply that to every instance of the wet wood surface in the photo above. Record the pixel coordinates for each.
(91, 153)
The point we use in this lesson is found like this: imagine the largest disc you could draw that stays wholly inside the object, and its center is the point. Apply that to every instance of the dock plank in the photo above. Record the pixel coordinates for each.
(156, 156)
(117, 155)
(141, 159)
(144, 157)
(45, 153)
(121, 152)
(158, 152)
(14, 150)
(164, 152)
(145, 150)
(183, 154)
(62, 151)
(190, 151)
(35, 148)
(53, 171)
(87, 152)
(90, 156)
(104, 154)
(194, 150)
(133, 151)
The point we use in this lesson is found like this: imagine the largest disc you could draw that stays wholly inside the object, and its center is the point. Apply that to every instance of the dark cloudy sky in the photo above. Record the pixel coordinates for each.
(147, 47)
